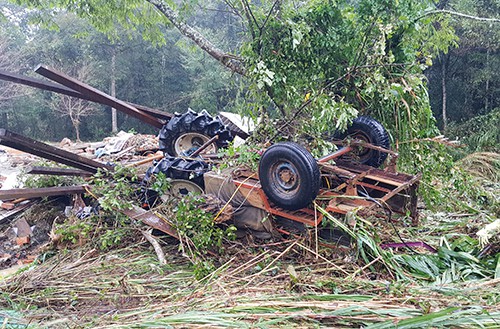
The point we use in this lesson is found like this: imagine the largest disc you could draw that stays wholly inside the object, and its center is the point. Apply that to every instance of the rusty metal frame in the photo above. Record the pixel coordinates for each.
(343, 197)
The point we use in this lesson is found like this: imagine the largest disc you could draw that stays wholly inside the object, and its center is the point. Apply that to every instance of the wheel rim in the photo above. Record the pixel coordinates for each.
(360, 151)
(188, 143)
(284, 177)
(180, 188)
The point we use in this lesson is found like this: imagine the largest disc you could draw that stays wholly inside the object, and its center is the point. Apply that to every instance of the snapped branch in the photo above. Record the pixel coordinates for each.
(228, 60)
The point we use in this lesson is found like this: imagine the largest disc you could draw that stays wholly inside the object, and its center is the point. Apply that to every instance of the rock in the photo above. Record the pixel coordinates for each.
(65, 142)
(23, 228)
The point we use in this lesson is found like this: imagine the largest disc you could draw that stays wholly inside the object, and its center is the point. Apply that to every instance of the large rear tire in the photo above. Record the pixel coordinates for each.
(289, 175)
(188, 171)
(369, 130)
(186, 132)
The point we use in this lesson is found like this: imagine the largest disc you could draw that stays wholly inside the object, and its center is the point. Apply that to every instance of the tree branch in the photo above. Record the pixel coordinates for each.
(250, 17)
(454, 13)
(230, 61)
(268, 16)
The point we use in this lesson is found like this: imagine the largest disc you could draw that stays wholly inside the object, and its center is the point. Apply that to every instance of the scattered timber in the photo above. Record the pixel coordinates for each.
(5, 216)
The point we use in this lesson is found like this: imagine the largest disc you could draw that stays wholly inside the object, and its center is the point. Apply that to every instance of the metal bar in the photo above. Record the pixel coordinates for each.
(56, 171)
(153, 112)
(377, 174)
(40, 84)
(60, 89)
(30, 193)
(204, 146)
(45, 151)
(99, 96)
(401, 187)
(337, 154)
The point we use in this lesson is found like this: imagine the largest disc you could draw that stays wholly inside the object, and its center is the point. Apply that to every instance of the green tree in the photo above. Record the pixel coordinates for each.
(465, 82)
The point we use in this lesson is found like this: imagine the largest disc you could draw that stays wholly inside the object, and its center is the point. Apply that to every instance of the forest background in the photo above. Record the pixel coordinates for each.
(174, 74)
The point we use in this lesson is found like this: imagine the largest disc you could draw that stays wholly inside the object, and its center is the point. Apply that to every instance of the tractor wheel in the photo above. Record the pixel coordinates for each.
(289, 175)
(370, 131)
(185, 175)
(181, 187)
(186, 132)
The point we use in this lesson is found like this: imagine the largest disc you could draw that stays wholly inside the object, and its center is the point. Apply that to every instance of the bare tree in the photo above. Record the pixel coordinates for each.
(75, 108)
(9, 62)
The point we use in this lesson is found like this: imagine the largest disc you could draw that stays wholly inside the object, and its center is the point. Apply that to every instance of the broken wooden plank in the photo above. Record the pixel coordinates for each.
(49, 152)
(35, 170)
(99, 96)
(31, 193)
(148, 218)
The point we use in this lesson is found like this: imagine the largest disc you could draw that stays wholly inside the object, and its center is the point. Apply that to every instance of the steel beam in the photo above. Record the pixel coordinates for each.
(60, 89)
(49, 152)
(30, 193)
(56, 171)
(98, 96)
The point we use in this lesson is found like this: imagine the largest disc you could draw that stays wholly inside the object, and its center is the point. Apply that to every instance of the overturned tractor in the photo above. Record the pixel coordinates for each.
(290, 183)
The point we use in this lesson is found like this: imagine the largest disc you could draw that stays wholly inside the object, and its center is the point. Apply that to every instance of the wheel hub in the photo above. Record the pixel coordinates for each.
(187, 143)
(181, 187)
(361, 151)
(286, 176)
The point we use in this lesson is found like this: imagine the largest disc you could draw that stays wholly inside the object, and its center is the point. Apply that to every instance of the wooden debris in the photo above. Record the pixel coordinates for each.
(156, 246)
(10, 214)
(148, 218)
(147, 160)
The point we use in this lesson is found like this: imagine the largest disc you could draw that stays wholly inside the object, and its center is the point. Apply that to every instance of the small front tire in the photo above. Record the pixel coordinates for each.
(289, 175)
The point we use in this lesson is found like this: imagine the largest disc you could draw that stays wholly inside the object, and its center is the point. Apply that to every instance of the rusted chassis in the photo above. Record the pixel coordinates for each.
(346, 186)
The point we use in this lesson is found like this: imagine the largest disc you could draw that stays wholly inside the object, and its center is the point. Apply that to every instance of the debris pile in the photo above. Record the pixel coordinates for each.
(22, 231)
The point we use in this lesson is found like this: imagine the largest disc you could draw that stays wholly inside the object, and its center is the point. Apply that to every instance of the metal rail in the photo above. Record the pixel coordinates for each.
(98, 96)
(49, 152)
(30, 193)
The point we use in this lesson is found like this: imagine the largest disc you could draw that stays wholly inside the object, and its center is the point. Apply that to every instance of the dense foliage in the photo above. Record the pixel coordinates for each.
(366, 58)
